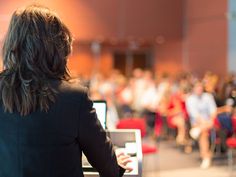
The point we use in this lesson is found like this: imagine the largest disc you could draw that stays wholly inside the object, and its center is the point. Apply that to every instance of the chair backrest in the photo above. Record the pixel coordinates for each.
(133, 123)
(234, 123)
(216, 123)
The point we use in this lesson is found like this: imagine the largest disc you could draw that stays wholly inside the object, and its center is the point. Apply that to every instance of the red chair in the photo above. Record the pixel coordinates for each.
(158, 125)
(137, 123)
(231, 143)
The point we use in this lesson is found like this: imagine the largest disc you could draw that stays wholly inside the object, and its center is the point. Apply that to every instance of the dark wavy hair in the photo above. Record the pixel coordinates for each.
(35, 52)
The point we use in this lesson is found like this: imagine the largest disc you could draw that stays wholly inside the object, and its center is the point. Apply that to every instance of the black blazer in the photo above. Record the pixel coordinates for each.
(50, 144)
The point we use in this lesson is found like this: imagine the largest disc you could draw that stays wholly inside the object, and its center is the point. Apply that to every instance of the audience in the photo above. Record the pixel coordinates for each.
(169, 102)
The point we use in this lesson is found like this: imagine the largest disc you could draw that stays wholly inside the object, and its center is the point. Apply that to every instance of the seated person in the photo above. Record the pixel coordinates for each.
(202, 111)
(225, 113)
(177, 115)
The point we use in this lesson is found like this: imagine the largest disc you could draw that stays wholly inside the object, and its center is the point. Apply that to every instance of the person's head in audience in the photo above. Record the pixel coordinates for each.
(35, 51)
(137, 73)
(211, 83)
(198, 88)
(183, 90)
(148, 75)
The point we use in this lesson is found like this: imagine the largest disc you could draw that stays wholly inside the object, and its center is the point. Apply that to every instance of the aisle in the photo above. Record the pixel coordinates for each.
(172, 162)
(191, 172)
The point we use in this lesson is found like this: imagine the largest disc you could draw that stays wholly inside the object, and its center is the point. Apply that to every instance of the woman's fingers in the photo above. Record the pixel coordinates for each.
(122, 157)
(126, 161)
(123, 160)
(120, 154)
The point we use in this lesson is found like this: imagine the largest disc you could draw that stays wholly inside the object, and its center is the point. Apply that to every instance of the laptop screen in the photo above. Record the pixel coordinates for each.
(101, 110)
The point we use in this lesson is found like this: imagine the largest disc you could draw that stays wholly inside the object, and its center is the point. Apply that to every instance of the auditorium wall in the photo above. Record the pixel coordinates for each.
(206, 34)
(184, 33)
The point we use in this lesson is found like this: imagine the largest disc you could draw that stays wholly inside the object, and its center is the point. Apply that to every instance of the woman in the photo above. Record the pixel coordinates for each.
(45, 120)
(177, 115)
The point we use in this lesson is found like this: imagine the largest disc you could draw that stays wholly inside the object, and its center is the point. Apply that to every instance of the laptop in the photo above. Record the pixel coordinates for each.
(101, 110)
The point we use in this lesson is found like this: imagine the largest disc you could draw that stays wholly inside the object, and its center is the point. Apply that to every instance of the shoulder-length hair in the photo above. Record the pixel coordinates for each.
(35, 52)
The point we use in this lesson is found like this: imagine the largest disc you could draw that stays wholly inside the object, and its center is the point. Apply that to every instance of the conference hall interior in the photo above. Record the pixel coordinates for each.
(156, 65)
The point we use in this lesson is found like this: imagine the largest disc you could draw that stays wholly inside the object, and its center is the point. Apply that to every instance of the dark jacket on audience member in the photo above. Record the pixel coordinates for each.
(50, 144)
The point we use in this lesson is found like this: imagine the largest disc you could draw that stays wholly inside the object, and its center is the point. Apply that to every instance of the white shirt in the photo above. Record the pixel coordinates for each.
(203, 106)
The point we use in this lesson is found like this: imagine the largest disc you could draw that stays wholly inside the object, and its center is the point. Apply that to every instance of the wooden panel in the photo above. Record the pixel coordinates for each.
(207, 36)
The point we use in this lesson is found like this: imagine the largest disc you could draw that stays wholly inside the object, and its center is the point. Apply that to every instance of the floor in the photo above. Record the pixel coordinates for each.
(170, 161)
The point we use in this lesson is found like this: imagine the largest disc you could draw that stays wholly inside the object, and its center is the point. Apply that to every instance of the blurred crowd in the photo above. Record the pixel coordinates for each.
(190, 106)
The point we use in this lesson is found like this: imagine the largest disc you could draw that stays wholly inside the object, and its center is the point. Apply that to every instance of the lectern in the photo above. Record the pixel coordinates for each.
(129, 142)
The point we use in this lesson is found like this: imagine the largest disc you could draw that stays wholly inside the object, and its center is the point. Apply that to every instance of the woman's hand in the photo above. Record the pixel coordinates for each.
(123, 160)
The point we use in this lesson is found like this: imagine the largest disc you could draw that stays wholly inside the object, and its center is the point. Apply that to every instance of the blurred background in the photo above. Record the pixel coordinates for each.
(137, 55)
(161, 35)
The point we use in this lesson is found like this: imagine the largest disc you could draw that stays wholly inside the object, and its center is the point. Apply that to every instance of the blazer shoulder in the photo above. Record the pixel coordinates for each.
(73, 87)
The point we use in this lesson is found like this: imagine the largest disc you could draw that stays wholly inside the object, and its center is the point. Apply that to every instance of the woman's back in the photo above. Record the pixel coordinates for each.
(53, 141)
